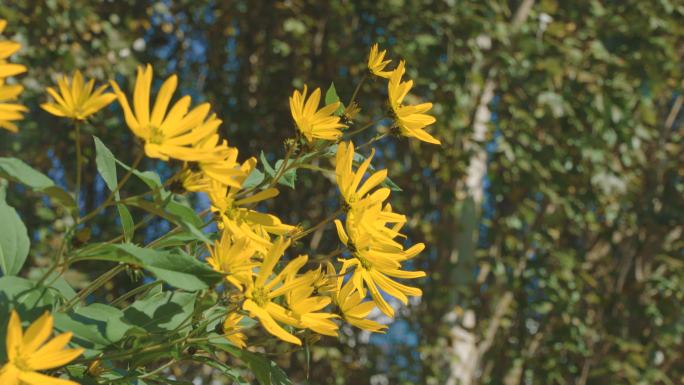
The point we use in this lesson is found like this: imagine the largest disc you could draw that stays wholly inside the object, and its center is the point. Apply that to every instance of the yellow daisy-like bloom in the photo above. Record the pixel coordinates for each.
(262, 291)
(7, 49)
(231, 330)
(233, 258)
(306, 307)
(243, 222)
(10, 112)
(313, 124)
(27, 353)
(76, 98)
(169, 135)
(377, 260)
(410, 120)
(225, 171)
(353, 308)
(377, 62)
(348, 181)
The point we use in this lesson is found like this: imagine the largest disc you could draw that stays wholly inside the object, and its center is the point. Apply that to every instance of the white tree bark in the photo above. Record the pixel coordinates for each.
(466, 351)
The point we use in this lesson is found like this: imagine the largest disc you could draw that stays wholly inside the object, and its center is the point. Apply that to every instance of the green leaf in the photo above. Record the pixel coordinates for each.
(332, 97)
(267, 166)
(127, 223)
(57, 283)
(161, 312)
(390, 184)
(253, 179)
(98, 324)
(16, 170)
(14, 240)
(150, 178)
(173, 267)
(265, 370)
(106, 164)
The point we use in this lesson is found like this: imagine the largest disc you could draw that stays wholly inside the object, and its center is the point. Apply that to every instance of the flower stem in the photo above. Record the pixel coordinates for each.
(358, 88)
(79, 167)
(367, 126)
(96, 284)
(317, 226)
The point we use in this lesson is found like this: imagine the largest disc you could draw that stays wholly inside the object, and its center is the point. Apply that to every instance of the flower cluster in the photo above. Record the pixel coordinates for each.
(290, 296)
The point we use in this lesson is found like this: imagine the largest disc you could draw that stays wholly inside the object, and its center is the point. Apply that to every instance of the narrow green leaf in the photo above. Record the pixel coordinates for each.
(16, 170)
(127, 223)
(267, 166)
(106, 163)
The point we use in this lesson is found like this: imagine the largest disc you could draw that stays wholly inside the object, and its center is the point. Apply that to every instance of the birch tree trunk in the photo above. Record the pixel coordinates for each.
(466, 349)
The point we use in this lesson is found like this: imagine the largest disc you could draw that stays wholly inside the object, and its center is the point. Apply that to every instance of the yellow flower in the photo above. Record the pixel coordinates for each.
(353, 308)
(348, 181)
(76, 99)
(169, 135)
(262, 291)
(305, 307)
(27, 353)
(243, 222)
(376, 260)
(376, 62)
(233, 258)
(225, 171)
(231, 330)
(8, 48)
(10, 112)
(410, 120)
(321, 124)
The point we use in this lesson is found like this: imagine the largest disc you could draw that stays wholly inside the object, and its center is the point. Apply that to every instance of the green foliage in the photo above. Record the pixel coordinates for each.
(14, 240)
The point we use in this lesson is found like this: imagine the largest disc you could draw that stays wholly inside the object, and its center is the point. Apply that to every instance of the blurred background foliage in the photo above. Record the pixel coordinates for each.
(567, 270)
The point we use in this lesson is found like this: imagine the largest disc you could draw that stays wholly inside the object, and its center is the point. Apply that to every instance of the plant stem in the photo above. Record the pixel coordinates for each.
(96, 284)
(373, 140)
(60, 253)
(317, 226)
(283, 167)
(358, 88)
(79, 166)
(134, 292)
(367, 126)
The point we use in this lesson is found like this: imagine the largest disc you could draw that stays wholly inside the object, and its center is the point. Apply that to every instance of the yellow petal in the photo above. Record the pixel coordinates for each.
(14, 336)
(269, 323)
(163, 98)
(34, 378)
(37, 333)
(141, 95)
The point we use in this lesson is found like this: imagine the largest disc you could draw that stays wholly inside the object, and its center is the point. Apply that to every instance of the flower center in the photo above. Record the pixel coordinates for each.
(21, 364)
(364, 262)
(156, 135)
(260, 296)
